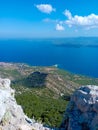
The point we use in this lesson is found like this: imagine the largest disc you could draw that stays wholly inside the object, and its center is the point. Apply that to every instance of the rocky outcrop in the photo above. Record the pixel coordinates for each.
(11, 114)
(82, 111)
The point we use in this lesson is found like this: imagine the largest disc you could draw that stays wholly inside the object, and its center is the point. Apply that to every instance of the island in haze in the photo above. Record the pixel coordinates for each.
(78, 42)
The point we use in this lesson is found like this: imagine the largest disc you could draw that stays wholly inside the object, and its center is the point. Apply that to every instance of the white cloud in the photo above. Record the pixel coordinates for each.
(68, 14)
(45, 8)
(90, 21)
(59, 27)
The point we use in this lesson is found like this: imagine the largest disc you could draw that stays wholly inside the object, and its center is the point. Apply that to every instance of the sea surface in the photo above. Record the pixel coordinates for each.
(75, 55)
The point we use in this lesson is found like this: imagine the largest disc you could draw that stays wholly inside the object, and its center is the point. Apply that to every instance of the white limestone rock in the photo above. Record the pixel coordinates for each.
(82, 111)
(11, 114)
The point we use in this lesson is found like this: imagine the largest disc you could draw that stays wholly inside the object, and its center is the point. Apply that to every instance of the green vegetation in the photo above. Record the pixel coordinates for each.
(79, 79)
(43, 92)
(9, 72)
(35, 79)
(47, 110)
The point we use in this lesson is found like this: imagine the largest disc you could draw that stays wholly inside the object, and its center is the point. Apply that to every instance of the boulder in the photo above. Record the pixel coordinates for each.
(82, 111)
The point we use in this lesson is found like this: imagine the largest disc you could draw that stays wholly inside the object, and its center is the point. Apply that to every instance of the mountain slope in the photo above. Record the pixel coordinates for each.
(47, 87)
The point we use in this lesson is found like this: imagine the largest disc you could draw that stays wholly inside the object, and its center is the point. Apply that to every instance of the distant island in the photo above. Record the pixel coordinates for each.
(77, 42)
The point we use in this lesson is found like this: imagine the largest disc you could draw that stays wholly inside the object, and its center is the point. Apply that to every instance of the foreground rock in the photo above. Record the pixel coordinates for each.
(82, 112)
(11, 114)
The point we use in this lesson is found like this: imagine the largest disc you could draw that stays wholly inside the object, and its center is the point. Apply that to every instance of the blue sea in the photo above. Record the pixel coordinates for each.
(77, 55)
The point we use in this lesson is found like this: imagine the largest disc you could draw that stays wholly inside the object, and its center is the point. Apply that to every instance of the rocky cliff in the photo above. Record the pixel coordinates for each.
(82, 111)
(11, 114)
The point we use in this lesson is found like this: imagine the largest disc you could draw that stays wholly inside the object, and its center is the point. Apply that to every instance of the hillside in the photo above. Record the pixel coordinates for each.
(43, 92)
(48, 78)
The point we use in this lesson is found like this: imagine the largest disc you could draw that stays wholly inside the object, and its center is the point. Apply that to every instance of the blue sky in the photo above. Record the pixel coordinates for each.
(48, 18)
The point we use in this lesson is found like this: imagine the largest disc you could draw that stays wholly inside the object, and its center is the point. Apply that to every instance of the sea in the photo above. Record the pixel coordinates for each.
(77, 55)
